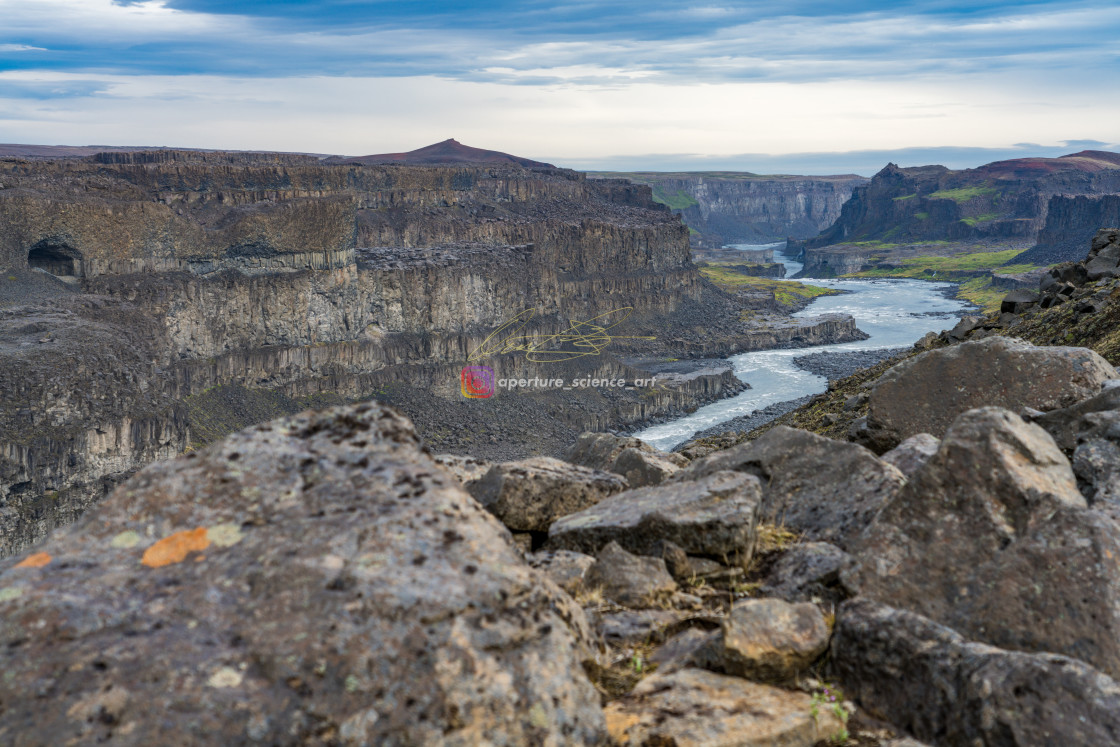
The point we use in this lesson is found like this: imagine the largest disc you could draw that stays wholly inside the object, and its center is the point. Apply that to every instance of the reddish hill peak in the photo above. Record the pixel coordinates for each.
(449, 151)
(1086, 160)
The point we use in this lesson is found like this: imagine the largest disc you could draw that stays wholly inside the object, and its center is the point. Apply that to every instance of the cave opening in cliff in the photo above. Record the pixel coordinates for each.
(55, 257)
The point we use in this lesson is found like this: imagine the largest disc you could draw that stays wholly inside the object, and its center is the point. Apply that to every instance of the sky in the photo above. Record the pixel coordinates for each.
(789, 86)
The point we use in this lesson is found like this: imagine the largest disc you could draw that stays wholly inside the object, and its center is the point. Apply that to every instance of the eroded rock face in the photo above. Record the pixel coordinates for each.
(993, 539)
(317, 578)
(698, 708)
(716, 515)
(931, 682)
(530, 494)
(927, 392)
(1067, 423)
(828, 490)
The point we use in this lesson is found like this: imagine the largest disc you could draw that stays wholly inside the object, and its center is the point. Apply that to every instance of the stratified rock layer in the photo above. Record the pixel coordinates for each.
(313, 580)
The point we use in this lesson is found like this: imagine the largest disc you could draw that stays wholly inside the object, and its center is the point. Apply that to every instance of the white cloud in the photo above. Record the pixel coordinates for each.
(21, 48)
(368, 115)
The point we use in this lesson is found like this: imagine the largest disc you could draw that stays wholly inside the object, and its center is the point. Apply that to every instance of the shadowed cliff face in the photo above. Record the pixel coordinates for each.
(1001, 200)
(745, 208)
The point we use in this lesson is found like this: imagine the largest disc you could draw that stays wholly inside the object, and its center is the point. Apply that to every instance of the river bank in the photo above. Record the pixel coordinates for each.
(894, 313)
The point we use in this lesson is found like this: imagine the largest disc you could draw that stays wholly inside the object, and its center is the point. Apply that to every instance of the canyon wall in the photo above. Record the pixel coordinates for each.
(1002, 202)
(746, 208)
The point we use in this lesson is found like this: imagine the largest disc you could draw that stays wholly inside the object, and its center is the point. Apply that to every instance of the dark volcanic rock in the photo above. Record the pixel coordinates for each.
(767, 640)
(716, 515)
(317, 579)
(826, 489)
(531, 494)
(993, 538)
(696, 707)
(911, 454)
(929, 681)
(1066, 423)
(808, 571)
(927, 392)
(630, 580)
(634, 459)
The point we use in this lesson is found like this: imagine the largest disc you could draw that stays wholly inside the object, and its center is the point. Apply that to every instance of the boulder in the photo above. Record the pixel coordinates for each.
(716, 515)
(642, 468)
(629, 627)
(634, 459)
(827, 490)
(314, 579)
(1066, 423)
(1101, 267)
(927, 392)
(530, 494)
(1096, 463)
(911, 454)
(566, 568)
(630, 580)
(809, 571)
(465, 468)
(698, 708)
(767, 640)
(928, 680)
(1018, 301)
(993, 538)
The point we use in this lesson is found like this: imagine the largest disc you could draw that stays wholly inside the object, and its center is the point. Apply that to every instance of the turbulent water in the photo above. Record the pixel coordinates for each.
(895, 313)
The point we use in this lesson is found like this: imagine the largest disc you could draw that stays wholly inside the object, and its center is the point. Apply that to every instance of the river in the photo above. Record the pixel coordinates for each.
(895, 313)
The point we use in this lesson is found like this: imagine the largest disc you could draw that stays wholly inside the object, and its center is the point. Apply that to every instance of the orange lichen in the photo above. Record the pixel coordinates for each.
(175, 548)
(38, 560)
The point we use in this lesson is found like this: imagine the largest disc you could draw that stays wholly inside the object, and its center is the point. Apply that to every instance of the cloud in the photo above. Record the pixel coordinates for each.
(20, 48)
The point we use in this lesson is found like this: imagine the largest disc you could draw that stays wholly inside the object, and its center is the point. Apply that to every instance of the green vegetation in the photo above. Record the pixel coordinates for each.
(906, 197)
(980, 218)
(692, 231)
(923, 267)
(789, 293)
(922, 215)
(831, 698)
(678, 200)
(962, 194)
(972, 271)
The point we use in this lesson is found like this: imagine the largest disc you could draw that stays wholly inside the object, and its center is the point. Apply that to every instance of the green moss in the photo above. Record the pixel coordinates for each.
(678, 200)
(922, 215)
(980, 219)
(906, 197)
(980, 292)
(962, 194)
(692, 231)
(788, 293)
(921, 267)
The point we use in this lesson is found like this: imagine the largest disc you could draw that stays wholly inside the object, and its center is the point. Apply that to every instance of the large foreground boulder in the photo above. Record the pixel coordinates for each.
(928, 680)
(927, 392)
(993, 539)
(314, 580)
(827, 490)
(716, 516)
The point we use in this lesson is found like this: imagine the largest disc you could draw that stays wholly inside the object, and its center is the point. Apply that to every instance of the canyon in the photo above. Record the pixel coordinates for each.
(152, 302)
(739, 207)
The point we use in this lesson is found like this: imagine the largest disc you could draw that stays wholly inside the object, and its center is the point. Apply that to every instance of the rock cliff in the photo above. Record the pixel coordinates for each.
(1006, 202)
(747, 208)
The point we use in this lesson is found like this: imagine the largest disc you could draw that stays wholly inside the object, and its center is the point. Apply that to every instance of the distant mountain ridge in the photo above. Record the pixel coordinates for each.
(449, 151)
